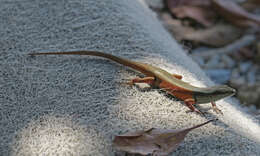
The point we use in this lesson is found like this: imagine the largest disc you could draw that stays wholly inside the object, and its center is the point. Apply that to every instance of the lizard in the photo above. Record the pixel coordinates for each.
(160, 78)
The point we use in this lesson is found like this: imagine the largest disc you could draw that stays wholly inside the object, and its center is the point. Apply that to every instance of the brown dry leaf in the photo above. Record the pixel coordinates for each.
(251, 4)
(245, 52)
(175, 27)
(202, 15)
(236, 14)
(257, 2)
(177, 3)
(217, 36)
(154, 141)
(197, 10)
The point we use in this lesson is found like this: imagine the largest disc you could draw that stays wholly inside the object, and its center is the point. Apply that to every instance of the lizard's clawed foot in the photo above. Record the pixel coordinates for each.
(197, 111)
(128, 82)
(200, 112)
(218, 111)
(190, 103)
(215, 108)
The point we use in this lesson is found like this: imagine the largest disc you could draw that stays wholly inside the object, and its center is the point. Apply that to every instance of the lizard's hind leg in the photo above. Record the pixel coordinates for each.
(190, 103)
(147, 80)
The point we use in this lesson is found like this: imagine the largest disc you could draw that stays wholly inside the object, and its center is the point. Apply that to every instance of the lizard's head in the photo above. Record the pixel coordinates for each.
(222, 91)
(215, 93)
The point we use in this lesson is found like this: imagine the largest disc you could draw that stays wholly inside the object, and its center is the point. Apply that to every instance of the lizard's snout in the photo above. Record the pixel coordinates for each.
(233, 91)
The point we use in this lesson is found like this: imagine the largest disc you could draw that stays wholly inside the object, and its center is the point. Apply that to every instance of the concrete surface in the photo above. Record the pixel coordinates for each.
(74, 105)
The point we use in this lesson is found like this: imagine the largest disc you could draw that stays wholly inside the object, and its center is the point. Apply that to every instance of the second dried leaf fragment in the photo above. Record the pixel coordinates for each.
(160, 142)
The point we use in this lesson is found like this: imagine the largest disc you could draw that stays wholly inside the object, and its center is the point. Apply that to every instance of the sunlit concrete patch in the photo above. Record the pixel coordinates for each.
(146, 108)
(143, 111)
(239, 119)
(52, 135)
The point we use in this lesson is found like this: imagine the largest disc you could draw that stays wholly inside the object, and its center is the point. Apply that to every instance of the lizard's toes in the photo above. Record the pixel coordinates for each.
(218, 111)
(197, 111)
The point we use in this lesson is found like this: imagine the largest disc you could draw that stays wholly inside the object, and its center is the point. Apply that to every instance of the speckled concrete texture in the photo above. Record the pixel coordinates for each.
(74, 105)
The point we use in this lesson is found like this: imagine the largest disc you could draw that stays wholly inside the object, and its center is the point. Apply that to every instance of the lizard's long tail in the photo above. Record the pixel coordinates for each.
(135, 65)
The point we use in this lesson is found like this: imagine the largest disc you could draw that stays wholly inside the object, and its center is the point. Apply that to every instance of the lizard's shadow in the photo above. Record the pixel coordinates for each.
(171, 97)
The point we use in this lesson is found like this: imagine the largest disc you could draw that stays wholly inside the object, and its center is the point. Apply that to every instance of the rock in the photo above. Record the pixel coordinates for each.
(236, 78)
(219, 75)
(249, 95)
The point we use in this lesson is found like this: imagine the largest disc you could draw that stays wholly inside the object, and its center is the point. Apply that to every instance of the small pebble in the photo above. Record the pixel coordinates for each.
(228, 61)
(199, 60)
(257, 57)
(219, 75)
(199, 50)
(251, 79)
(244, 67)
(257, 77)
(235, 74)
(238, 81)
(213, 62)
(156, 4)
(236, 78)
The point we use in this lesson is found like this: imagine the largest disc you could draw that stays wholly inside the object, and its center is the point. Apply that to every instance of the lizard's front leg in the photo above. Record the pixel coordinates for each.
(215, 108)
(177, 76)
